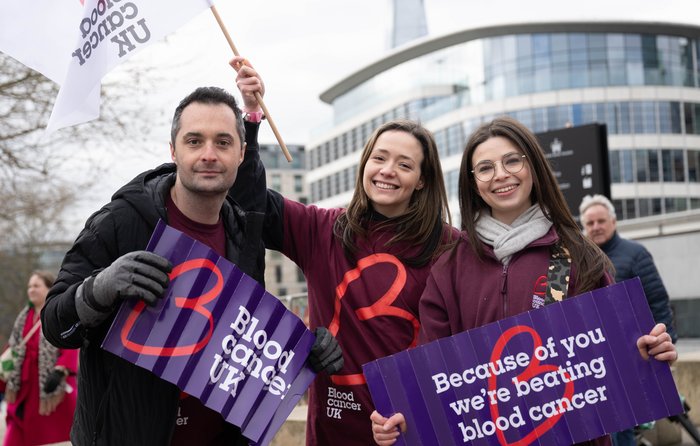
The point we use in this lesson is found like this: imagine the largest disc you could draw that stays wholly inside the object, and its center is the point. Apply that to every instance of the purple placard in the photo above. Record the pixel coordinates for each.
(218, 336)
(563, 374)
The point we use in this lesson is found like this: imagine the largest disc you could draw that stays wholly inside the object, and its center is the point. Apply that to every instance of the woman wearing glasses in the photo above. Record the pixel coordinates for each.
(514, 222)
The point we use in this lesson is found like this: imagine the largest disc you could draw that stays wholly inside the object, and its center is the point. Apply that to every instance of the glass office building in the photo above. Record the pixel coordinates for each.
(641, 79)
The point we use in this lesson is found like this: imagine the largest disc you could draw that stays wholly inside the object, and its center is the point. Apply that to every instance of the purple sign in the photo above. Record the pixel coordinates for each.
(219, 336)
(562, 374)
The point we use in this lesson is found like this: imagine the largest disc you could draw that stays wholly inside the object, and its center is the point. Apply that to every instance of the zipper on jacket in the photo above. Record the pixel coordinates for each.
(504, 290)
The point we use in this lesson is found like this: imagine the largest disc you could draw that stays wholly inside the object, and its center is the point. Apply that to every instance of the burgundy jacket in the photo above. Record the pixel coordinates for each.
(465, 292)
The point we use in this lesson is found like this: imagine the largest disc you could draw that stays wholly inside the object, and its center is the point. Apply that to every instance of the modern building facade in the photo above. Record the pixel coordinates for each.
(641, 79)
(282, 277)
(409, 22)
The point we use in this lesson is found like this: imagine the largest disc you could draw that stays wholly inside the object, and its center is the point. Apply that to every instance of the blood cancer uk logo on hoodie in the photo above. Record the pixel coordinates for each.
(539, 292)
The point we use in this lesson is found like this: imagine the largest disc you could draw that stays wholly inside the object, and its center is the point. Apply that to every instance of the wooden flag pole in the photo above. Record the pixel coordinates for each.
(257, 95)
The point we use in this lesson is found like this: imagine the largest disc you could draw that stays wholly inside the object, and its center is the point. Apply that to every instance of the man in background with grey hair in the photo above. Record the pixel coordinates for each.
(630, 259)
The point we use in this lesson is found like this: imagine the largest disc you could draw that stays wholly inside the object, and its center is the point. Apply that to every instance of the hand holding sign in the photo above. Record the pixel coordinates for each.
(139, 274)
(219, 337)
(657, 344)
(326, 354)
(549, 376)
(136, 275)
(387, 430)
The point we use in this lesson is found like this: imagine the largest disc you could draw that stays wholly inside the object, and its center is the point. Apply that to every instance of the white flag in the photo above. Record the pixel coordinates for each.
(77, 50)
(40, 33)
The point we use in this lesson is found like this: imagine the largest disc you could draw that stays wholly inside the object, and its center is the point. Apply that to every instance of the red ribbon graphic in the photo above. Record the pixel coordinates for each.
(382, 307)
(532, 370)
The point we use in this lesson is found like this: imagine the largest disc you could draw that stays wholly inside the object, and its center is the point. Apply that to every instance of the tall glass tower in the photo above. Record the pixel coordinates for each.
(409, 22)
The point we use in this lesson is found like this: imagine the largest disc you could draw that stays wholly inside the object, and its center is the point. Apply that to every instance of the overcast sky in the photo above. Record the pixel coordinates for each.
(302, 47)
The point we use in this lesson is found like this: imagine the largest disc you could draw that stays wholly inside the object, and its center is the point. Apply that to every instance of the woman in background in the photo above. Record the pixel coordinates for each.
(41, 392)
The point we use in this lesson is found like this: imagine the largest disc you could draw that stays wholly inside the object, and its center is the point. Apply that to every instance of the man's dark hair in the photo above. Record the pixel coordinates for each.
(208, 95)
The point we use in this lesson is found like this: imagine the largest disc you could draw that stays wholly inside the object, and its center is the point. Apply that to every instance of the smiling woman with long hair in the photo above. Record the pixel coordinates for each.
(365, 265)
(515, 224)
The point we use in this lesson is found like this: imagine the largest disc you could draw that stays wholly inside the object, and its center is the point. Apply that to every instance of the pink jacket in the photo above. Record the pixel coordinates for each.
(31, 428)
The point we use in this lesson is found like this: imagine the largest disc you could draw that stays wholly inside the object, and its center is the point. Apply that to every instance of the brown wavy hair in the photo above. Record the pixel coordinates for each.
(590, 261)
(428, 212)
(46, 276)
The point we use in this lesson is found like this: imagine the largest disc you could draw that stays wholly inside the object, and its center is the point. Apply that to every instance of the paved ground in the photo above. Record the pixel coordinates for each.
(688, 347)
(687, 440)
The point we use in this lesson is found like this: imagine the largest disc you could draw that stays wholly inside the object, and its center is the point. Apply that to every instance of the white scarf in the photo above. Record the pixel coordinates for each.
(508, 240)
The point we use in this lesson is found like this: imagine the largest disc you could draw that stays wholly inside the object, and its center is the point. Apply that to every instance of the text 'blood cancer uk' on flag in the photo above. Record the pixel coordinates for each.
(77, 42)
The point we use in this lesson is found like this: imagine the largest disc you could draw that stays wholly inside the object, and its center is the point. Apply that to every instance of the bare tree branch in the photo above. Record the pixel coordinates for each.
(35, 192)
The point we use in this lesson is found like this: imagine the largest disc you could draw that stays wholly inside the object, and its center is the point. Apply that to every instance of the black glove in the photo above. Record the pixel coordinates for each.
(326, 353)
(53, 380)
(139, 274)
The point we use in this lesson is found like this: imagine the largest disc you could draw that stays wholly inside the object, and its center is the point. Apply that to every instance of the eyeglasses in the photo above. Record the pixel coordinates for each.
(511, 162)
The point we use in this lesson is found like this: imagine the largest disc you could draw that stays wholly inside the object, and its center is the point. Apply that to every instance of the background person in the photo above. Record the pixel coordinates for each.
(514, 219)
(630, 259)
(365, 265)
(41, 392)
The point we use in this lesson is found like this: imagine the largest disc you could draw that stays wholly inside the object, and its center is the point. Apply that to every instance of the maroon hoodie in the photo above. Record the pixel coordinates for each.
(465, 292)
(370, 304)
